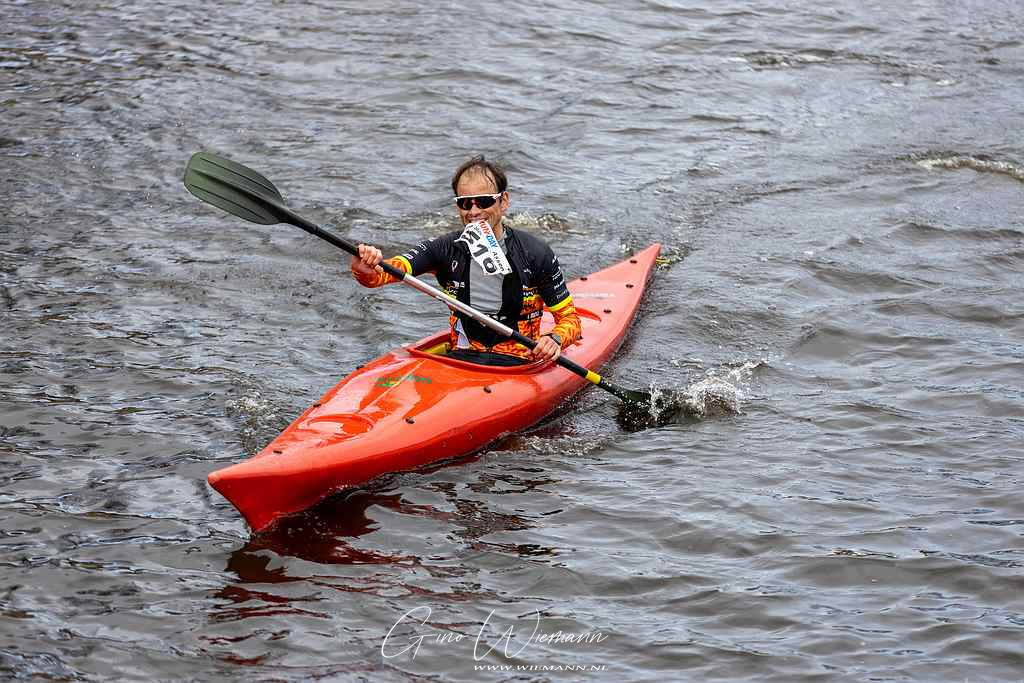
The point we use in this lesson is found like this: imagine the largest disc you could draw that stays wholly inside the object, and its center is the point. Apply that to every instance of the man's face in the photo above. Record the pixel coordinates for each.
(474, 182)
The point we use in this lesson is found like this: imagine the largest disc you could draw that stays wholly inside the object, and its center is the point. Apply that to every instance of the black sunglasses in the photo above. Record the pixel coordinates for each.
(484, 201)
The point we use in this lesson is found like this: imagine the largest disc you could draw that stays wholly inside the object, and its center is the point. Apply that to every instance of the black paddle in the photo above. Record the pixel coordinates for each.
(245, 193)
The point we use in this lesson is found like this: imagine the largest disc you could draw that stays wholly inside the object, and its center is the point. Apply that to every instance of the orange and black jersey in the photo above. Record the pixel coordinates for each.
(536, 282)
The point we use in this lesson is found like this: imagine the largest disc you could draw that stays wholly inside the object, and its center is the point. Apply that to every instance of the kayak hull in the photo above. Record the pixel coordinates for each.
(411, 407)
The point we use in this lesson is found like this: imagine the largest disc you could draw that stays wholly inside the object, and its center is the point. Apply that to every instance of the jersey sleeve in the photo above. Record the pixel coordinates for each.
(423, 258)
(420, 259)
(568, 326)
(558, 300)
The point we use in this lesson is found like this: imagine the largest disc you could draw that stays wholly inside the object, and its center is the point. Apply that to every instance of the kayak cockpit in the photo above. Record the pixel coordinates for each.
(434, 348)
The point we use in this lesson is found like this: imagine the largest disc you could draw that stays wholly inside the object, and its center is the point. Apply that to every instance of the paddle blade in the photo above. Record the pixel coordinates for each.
(233, 188)
(644, 409)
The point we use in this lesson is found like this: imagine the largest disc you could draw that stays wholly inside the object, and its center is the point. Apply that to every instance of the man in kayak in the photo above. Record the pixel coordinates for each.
(507, 274)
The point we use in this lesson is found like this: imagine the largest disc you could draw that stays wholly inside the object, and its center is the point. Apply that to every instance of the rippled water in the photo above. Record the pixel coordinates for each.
(839, 189)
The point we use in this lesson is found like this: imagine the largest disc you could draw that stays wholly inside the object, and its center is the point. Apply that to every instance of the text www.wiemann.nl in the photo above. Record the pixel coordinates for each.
(538, 667)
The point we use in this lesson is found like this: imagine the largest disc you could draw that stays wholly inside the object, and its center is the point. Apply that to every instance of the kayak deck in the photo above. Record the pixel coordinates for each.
(413, 406)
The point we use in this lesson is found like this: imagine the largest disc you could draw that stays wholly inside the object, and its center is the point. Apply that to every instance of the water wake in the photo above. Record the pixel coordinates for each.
(953, 162)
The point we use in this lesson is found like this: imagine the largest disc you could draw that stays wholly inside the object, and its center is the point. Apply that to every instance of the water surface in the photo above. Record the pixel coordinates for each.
(839, 192)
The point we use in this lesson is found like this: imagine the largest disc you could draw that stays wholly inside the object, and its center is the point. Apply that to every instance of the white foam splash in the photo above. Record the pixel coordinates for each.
(713, 396)
(954, 162)
(259, 419)
(253, 405)
(722, 391)
(662, 401)
(436, 224)
(567, 446)
(545, 221)
(443, 222)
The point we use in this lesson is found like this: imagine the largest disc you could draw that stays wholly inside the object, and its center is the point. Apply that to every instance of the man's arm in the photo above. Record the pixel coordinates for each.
(367, 271)
(567, 322)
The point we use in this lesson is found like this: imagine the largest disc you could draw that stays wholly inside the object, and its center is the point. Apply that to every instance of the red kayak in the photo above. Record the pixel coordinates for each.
(412, 406)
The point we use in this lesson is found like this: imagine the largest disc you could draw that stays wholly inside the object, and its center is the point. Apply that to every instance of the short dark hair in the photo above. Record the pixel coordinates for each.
(481, 165)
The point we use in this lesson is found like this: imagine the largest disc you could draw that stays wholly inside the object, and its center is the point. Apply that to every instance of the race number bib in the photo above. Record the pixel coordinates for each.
(484, 248)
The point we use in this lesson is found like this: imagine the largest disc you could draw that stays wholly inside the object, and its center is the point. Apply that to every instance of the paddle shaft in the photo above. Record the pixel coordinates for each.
(417, 284)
